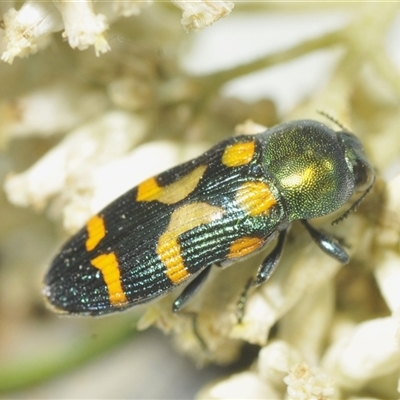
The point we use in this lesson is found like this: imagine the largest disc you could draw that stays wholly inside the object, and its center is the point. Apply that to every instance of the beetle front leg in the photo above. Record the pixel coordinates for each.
(190, 290)
(327, 243)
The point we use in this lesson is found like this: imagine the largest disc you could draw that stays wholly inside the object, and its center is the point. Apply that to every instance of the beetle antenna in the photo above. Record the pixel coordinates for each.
(334, 120)
(353, 206)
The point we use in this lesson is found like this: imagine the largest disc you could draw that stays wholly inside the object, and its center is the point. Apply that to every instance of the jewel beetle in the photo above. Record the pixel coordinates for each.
(213, 210)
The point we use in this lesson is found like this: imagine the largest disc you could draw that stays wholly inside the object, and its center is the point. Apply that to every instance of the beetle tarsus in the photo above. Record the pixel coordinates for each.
(242, 300)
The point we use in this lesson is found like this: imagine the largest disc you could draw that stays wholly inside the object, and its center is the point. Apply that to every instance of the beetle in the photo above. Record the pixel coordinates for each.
(221, 207)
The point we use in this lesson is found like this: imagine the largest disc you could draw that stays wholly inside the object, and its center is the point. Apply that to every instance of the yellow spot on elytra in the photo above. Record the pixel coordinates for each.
(182, 220)
(108, 265)
(96, 231)
(149, 190)
(243, 246)
(169, 251)
(255, 198)
(238, 154)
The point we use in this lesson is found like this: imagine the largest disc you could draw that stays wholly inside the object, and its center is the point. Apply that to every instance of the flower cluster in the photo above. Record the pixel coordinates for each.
(30, 28)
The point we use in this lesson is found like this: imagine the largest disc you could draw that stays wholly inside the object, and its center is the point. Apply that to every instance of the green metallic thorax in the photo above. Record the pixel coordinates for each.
(309, 167)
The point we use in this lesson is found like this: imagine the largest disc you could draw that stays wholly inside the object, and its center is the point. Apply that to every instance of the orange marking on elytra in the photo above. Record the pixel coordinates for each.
(255, 198)
(243, 246)
(238, 154)
(96, 231)
(149, 190)
(182, 220)
(169, 251)
(109, 267)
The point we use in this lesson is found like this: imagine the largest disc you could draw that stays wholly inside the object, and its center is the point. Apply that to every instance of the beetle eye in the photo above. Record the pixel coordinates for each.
(363, 175)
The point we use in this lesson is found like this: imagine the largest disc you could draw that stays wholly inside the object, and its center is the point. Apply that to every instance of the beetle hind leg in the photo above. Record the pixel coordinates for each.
(266, 269)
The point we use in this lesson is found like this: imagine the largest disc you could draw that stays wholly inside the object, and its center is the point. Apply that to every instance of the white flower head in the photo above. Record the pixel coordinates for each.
(83, 27)
(28, 29)
(197, 14)
(307, 383)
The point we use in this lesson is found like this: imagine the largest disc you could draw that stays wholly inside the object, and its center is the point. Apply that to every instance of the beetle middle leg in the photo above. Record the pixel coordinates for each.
(270, 263)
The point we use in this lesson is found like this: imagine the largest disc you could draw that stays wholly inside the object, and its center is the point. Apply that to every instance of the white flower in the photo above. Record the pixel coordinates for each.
(126, 8)
(246, 385)
(64, 105)
(28, 29)
(305, 383)
(369, 352)
(280, 372)
(83, 27)
(197, 14)
(61, 171)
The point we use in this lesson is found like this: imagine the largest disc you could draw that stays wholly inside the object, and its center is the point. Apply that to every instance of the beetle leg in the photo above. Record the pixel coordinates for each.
(272, 260)
(190, 290)
(242, 300)
(327, 243)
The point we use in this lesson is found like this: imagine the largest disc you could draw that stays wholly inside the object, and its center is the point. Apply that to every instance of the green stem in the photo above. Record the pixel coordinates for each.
(26, 373)
(219, 78)
(197, 89)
